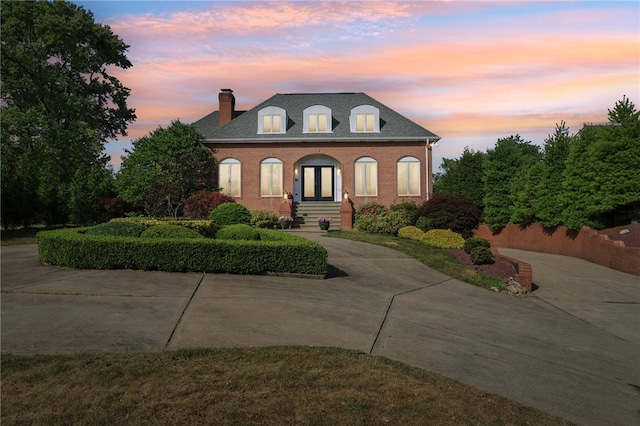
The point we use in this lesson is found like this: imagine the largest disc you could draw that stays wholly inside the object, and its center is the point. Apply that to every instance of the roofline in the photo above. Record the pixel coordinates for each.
(325, 139)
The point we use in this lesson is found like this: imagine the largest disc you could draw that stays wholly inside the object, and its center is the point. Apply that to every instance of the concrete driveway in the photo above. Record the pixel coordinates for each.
(572, 349)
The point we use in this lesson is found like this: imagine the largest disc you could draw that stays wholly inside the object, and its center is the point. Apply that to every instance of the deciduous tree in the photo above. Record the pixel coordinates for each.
(60, 103)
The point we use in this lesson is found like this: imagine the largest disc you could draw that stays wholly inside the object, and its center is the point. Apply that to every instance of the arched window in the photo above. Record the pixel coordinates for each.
(366, 174)
(229, 177)
(317, 119)
(271, 178)
(365, 119)
(408, 176)
(272, 119)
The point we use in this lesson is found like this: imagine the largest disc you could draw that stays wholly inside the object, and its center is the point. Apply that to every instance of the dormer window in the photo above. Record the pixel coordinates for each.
(272, 119)
(365, 119)
(317, 119)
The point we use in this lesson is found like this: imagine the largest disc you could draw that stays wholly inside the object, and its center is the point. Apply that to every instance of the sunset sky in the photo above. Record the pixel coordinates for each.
(469, 71)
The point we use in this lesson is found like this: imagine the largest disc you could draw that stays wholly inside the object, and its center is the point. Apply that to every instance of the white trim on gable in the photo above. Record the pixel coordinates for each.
(272, 119)
(365, 119)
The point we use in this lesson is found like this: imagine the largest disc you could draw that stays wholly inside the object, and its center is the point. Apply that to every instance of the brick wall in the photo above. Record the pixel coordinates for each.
(586, 244)
(346, 153)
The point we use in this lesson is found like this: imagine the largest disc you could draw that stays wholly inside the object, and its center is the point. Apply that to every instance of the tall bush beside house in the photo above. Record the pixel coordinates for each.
(445, 211)
(230, 214)
(202, 203)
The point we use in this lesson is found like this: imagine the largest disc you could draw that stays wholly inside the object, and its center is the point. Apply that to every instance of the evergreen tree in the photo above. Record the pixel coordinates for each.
(510, 157)
(462, 176)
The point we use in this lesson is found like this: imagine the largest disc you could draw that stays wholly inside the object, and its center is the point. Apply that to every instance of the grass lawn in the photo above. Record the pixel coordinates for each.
(266, 386)
(434, 257)
(18, 236)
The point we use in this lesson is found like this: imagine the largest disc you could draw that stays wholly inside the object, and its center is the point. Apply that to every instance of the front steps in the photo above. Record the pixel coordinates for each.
(306, 214)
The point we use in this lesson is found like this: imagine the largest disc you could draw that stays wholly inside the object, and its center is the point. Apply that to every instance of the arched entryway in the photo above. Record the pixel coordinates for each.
(317, 178)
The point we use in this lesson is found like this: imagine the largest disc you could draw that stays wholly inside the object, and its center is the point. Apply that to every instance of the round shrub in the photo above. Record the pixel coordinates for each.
(471, 243)
(443, 238)
(410, 232)
(264, 219)
(230, 214)
(445, 211)
(238, 232)
(423, 224)
(202, 203)
(408, 208)
(481, 256)
(118, 229)
(169, 231)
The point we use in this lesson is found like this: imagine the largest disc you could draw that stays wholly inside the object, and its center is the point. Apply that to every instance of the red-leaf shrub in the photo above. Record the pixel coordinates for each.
(445, 211)
(116, 206)
(202, 203)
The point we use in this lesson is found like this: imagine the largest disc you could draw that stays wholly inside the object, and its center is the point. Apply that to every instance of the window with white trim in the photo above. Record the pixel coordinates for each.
(229, 177)
(408, 176)
(272, 119)
(366, 174)
(271, 178)
(365, 119)
(317, 119)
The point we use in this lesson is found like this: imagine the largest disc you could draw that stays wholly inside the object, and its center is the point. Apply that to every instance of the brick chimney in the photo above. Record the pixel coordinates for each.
(227, 106)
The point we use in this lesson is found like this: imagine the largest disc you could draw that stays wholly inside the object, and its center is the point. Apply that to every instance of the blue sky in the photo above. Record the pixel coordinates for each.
(469, 71)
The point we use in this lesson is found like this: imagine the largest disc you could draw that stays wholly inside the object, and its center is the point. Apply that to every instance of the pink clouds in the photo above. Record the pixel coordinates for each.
(460, 69)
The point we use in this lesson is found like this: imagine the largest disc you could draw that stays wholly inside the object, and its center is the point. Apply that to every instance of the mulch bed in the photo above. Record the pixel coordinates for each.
(501, 268)
(632, 239)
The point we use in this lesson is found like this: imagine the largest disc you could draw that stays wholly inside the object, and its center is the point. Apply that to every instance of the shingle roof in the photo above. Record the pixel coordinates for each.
(244, 126)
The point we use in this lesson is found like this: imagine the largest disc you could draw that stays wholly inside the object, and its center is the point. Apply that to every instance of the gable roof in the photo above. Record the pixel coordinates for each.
(244, 126)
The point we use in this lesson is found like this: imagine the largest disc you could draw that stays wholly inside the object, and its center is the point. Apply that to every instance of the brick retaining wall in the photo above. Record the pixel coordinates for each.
(585, 244)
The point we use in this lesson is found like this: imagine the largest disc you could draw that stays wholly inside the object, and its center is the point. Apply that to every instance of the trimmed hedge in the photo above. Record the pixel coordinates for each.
(238, 232)
(169, 231)
(230, 214)
(118, 229)
(277, 252)
(411, 232)
(202, 226)
(443, 238)
(264, 219)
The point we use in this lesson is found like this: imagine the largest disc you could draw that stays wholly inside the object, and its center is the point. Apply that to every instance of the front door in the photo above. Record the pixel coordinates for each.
(317, 183)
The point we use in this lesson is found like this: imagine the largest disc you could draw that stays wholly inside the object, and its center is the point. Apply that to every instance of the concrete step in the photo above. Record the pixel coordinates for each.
(306, 214)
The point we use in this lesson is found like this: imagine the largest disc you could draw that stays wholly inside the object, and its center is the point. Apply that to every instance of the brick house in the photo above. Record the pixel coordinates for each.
(323, 153)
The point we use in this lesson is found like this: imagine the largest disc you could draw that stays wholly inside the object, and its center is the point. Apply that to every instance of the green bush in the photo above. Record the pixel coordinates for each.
(264, 219)
(409, 208)
(169, 231)
(473, 242)
(443, 238)
(202, 226)
(410, 232)
(372, 208)
(388, 222)
(230, 214)
(423, 224)
(481, 256)
(238, 232)
(277, 252)
(122, 229)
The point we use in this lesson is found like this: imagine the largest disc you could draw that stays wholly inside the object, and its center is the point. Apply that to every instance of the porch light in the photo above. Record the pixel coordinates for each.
(346, 195)
(295, 171)
(285, 195)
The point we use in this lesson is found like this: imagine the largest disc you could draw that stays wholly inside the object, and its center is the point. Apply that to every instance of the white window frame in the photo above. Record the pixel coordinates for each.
(227, 188)
(269, 113)
(408, 160)
(363, 111)
(270, 162)
(367, 180)
(312, 113)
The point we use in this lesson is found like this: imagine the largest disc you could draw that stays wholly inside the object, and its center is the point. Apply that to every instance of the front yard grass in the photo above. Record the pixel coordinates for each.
(244, 386)
(436, 258)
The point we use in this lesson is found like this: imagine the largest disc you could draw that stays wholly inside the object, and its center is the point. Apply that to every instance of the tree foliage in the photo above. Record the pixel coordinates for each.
(505, 164)
(446, 211)
(602, 176)
(462, 176)
(548, 204)
(164, 168)
(60, 104)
